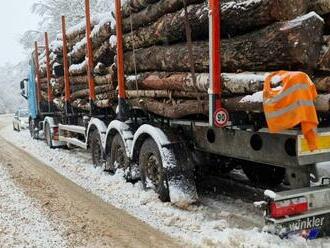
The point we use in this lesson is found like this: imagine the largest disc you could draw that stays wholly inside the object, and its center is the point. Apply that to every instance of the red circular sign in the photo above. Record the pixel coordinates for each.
(221, 117)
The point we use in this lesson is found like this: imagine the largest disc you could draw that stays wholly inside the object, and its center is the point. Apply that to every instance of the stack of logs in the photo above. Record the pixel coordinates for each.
(166, 54)
(104, 71)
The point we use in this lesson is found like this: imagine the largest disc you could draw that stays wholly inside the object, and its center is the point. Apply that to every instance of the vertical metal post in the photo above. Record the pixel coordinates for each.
(49, 74)
(37, 68)
(215, 58)
(90, 56)
(122, 104)
(67, 91)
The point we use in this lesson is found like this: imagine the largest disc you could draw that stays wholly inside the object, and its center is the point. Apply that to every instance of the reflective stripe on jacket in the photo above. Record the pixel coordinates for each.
(291, 104)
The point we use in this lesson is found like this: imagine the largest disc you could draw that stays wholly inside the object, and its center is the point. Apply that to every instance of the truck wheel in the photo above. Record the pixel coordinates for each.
(14, 128)
(152, 171)
(33, 133)
(48, 136)
(265, 175)
(118, 158)
(96, 148)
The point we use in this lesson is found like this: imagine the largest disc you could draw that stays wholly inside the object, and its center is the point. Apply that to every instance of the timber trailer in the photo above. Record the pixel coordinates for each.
(165, 152)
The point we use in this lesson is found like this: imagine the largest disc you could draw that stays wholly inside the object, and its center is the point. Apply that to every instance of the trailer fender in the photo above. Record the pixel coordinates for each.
(97, 124)
(176, 162)
(124, 131)
(156, 134)
(50, 121)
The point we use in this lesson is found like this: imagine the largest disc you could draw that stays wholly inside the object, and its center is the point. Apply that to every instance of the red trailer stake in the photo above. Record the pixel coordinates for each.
(120, 52)
(90, 58)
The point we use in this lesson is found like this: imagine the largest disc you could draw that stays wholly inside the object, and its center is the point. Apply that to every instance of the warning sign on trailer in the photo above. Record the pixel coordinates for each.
(221, 117)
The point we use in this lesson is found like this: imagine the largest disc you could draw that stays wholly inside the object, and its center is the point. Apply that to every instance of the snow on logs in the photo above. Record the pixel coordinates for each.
(258, 36)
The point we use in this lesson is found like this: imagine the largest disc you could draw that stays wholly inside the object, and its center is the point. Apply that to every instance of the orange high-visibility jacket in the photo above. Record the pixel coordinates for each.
(291, 103)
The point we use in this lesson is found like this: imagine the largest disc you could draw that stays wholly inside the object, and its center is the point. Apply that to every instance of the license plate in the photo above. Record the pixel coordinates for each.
(323, 143)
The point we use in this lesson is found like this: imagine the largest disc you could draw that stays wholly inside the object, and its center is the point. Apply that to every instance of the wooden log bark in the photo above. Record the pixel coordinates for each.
(134, 6)
(99, 35)
(237, 18)
(322, 83)
(83, 104)
(165, 94)
(324, 62)
(233, 83)
(181, 109)
(153, 12)
(321, 7)
(170, 109)
(98, 90)
(284, 45)
(105, 54)
(99, 80)
(79, 69)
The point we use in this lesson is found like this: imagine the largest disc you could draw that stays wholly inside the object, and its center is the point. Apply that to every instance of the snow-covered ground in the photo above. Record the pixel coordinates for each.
(224, 223)
(22, 223)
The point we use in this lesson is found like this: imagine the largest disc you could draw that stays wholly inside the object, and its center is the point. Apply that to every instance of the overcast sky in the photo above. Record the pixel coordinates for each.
(15, 19)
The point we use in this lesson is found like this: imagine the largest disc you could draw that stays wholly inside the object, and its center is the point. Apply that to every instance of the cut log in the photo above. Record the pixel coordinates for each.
(181, 109)
(105, 54)
(236, 18)
(175, 110)
(98, 90)
(284, 45)
(99, 35)
(322, 83)
(233, 83)
(84, 105)
(165, 94)
(79, 69)
(102, 70)
(324, 62)
(153, 12)
(134, 6)
(99, 80)
(321, 7)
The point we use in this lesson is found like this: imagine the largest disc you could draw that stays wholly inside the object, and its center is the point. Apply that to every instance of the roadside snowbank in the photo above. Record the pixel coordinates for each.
(223, 226)
(21, 222)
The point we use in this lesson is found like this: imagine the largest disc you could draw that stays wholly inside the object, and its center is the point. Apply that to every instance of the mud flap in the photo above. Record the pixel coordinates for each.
(179, 168)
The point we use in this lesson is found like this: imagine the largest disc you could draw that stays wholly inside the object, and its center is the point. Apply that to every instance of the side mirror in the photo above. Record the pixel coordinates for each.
(24, 88)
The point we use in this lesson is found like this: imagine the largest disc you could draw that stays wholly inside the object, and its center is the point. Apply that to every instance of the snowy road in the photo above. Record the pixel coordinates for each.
(78, 218)
(41, 208)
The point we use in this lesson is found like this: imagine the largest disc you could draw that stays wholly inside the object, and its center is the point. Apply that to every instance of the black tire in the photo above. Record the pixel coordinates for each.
(96, 148)
(18, 128)
(14, 128)
(264, 175)
(151, 167)
(33, 133)
(48, 136)
(117, 157)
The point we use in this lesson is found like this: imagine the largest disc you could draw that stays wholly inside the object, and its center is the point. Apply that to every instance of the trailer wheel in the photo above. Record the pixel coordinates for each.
(14, 128)
(96, 148)
(152, 171)
(118, 158)
(265, 175)
(48, 136)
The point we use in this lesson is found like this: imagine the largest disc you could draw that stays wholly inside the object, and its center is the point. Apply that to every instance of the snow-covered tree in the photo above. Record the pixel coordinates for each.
(51, 11)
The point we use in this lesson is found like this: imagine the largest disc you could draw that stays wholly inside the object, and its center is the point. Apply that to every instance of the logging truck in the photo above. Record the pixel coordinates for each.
(165, 153)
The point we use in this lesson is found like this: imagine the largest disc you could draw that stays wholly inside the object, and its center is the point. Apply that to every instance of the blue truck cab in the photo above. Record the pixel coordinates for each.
(29, 89)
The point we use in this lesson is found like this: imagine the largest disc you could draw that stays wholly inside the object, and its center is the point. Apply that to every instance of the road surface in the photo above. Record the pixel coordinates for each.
(82, 218)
